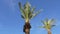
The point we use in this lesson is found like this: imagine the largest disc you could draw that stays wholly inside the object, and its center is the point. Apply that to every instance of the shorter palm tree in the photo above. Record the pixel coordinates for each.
(48, 24)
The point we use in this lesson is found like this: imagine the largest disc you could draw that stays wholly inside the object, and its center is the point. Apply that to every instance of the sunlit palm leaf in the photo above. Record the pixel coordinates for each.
(30, 15)
(51, 21)
(46, 21)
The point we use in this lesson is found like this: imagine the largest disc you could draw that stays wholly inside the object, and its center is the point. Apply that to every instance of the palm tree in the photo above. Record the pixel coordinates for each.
(27, 14)
(48, 24)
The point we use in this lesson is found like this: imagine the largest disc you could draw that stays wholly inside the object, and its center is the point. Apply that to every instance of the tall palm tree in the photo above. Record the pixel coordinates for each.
(27, 14)
(48, 24)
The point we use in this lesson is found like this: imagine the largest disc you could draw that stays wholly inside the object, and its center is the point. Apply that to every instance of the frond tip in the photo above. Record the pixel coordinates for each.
(41, 26)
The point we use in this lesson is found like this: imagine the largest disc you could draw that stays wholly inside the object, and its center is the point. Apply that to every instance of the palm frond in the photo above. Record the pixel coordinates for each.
(20, 6)
(32, 10)
(43, 22)
(22, 10)
(35, 14)
(53, 25)
(46, 21)
(51, 21)
(27, 10)
(22, 16)
(41, 27)
(30, 15)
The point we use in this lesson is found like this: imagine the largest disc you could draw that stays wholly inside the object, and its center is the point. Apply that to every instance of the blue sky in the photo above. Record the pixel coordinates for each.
(12, 23)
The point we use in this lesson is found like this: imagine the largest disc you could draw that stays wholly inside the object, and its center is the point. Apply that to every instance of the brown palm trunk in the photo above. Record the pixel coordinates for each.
(26, 28)
(49, 32)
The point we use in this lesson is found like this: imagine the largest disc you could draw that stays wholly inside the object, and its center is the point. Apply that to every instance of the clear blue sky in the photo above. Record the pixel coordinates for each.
(12, 23)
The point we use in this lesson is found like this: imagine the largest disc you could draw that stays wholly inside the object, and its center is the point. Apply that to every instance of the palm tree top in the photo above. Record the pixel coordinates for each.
(27, 11)
(27, 4)
(48, 24)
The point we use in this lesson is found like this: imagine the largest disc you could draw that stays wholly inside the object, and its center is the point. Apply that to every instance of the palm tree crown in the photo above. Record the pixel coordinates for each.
(27, 11)
(48, 24)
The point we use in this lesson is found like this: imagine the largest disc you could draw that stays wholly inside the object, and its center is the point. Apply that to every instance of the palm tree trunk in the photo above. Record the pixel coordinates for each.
(26, 28)
(27, 31)
(49, 32)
